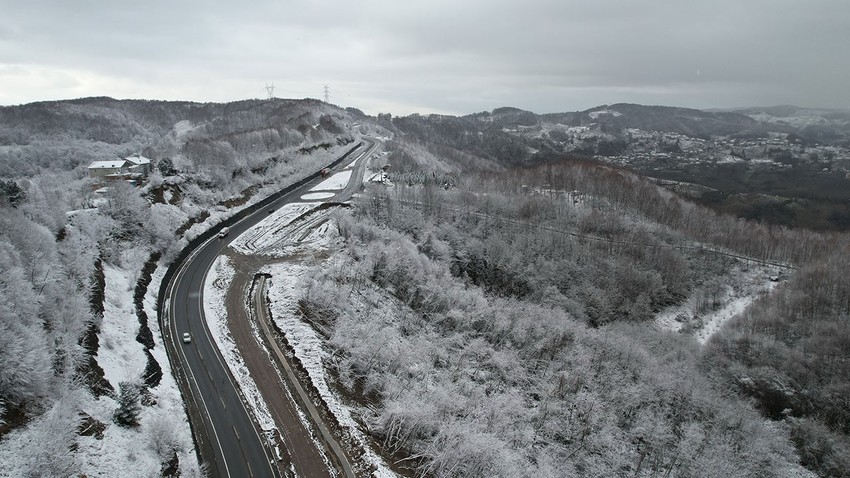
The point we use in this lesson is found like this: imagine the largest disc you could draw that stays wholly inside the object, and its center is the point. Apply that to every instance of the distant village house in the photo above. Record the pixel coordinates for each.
(140, 164)
(132, 168)
(108, 169)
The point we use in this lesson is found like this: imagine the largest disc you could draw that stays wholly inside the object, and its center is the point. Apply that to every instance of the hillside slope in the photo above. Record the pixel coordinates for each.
(84, 380)
(503, 325)
(70, 134)
(788, 166)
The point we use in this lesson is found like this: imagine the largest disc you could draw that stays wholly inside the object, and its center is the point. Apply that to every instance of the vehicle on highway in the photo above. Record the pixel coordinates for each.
(232, 443)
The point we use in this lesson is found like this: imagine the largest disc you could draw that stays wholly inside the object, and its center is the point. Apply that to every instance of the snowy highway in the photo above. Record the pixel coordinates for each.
(227, 436)
(223, 429)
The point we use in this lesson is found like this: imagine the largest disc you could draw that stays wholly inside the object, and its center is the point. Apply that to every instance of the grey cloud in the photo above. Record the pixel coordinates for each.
(451, 56)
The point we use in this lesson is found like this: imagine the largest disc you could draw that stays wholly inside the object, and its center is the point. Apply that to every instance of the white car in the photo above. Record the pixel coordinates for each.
(223, 232)
(186, 337)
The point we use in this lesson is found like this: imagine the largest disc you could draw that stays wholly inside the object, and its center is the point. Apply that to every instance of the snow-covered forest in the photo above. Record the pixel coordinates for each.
(85, 385)
(486, 315)
(498, 321)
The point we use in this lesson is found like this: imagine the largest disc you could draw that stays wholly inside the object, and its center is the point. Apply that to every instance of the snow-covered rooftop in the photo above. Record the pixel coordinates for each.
(138, 160)
(115, 164)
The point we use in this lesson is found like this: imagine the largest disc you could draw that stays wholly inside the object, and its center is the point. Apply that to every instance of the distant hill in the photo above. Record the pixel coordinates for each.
(795, 160)
(746, 122)
(68, 134)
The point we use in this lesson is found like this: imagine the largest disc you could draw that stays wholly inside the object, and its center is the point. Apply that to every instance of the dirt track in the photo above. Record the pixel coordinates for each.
(298, 441)
(301, 444)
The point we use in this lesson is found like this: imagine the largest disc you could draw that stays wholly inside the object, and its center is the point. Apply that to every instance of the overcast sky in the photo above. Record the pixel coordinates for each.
(455, 56)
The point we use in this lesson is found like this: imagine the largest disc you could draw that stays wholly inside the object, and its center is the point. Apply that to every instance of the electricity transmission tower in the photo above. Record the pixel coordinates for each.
(327, 93)
(270, 90)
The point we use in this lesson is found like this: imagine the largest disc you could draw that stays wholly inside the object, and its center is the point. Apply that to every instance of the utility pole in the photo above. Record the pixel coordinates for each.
(270, 90)
(327, 93)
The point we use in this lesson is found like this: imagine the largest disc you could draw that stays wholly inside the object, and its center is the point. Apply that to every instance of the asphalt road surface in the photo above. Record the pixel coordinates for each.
(224, 427)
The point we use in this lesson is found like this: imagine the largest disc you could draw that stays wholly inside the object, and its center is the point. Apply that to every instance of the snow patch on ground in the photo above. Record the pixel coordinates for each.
(264, 233)
(596, 114)
(712, 322)
(182, 128)
(80, 212)
(730, 159)
(318, 240)
(316, 196)
(745, 286)
(119, 448)
(218, 278)
(122, 449)
(337, 181)
(120, 356)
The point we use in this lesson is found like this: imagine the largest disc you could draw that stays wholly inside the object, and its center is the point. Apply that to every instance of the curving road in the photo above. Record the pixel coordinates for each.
(228, 438)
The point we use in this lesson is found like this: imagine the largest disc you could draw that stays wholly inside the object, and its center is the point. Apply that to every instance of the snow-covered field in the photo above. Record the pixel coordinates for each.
(337, 181)
(375, 174)
(120, 358)
(287, 233)
(264, 234)
(744, 286)
(799, 119)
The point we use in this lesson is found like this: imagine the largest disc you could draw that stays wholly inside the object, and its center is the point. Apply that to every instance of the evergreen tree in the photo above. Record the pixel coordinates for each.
(129, 406)
(166, 167)
(11, 193)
